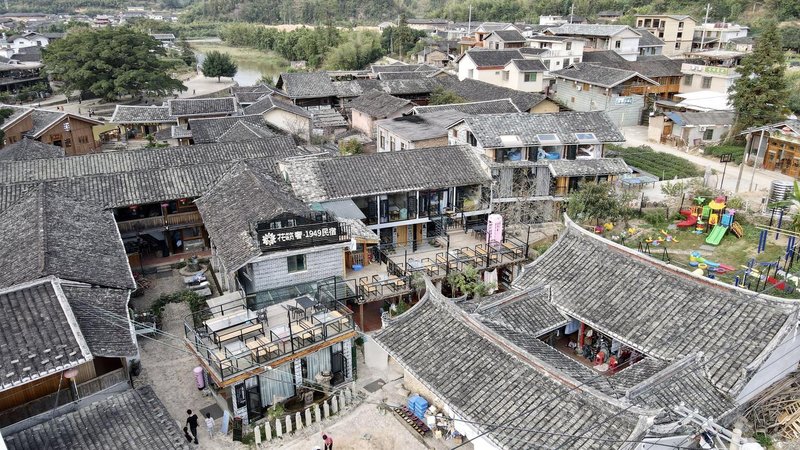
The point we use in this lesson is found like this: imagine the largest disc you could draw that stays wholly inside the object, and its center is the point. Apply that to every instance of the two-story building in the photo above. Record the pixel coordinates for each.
(649, 45)
(373, 106)
(69, 131)
(183, 109)
(775, 147)
(717, 35)
(504, 39)
(310, 90)
(283, 115)
(505, 68)
(676, 30)
(561, 51)
(589, 87)
(541, 157)
(711, 70)
(619, 38)
(664, 71)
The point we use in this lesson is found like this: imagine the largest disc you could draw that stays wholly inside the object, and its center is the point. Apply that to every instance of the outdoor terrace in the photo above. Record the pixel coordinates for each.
(231, 339)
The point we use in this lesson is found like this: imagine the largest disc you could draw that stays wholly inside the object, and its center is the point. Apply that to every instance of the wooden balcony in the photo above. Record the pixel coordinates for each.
(171, 220)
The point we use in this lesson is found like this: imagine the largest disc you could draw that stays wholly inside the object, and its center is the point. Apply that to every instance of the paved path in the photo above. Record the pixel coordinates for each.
(636, 136)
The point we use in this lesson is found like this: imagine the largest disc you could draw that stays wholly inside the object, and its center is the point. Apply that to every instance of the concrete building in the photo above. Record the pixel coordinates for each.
(620, 38)
(677, 31)
(691, 128)
(717, 35)
(559, 51)
(417, 131)
(711, 70)
(505, 68)
(374, 106)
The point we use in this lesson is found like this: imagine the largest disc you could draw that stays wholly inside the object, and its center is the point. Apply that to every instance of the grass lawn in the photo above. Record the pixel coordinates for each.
(731, 251)
(663, 165)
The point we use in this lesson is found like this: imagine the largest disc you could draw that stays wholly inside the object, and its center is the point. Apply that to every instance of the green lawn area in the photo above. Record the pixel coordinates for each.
(731, 251)
(662, 165)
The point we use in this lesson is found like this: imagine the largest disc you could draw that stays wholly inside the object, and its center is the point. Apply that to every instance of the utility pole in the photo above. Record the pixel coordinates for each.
(703, 32)
(469, 22)
(571, 12)
(755, 161)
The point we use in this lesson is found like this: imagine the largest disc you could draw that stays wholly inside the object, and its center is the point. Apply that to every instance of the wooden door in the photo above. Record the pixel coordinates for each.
(402, 235)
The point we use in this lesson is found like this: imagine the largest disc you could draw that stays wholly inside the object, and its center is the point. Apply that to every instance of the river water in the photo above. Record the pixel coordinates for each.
(250, 71)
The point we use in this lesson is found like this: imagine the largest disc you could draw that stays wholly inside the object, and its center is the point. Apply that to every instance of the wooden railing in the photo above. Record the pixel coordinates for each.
(102, 382)
(185, 218)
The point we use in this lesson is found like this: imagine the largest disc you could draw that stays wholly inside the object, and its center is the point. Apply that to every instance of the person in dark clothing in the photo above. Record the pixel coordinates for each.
(192, 422)
(186, 433)
(328, 441)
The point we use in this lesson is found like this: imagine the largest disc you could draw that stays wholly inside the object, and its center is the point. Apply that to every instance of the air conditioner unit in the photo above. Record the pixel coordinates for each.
(702, 128)
(580, 87)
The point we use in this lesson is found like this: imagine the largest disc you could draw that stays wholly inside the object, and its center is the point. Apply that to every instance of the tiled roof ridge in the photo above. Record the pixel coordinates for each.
(575, 229)
(39, 198)
(694, 360)
(519, 295)
(71, 319)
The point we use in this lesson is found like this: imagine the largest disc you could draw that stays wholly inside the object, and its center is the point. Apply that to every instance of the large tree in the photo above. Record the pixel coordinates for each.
(759, 94)
(110, 63)
(219, 65)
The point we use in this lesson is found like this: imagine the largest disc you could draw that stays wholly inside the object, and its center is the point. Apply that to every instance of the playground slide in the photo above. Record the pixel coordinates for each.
(689, 220)
(716, 235)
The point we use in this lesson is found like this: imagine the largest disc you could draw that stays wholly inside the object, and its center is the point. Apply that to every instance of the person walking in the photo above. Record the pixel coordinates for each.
(328, 441)
(210, 425)
(191, 422)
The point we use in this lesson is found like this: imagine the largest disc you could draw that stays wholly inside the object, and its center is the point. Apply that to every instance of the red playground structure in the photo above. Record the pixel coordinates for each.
(690, 218)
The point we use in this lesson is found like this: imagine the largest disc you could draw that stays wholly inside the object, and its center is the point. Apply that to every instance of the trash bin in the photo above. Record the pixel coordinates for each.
(199, 379)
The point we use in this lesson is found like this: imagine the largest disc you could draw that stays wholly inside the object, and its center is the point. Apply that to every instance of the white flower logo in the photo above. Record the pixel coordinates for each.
(269, 239)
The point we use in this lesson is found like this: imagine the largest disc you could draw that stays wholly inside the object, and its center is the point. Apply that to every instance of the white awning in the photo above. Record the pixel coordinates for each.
(343, 209)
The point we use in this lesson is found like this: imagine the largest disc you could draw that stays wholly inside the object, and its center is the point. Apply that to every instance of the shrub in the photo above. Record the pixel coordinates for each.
(718, 150)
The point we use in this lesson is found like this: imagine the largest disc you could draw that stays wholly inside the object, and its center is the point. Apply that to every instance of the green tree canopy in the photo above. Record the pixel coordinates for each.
(442, 96)
(110, 63)
(593, 201)
(759, 95)
(791, 38)
(219, 65)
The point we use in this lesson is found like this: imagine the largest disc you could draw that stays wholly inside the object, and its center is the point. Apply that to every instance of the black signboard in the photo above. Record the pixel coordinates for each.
(241, 398)
(271, 239)
(726, 157)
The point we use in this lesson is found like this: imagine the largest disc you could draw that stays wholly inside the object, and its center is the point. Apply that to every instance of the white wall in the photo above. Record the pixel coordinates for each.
(274, 272)
(291, 123)
(780, 363)
(465, 66)
(623, 111)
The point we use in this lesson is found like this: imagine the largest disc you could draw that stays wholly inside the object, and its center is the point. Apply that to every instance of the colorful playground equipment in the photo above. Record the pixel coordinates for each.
(714, 215)
(697, 260)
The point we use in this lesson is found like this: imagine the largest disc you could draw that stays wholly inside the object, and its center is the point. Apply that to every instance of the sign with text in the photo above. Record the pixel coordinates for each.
(271, 239)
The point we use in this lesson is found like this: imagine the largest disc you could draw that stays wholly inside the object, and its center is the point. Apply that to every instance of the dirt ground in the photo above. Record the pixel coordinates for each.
(160, 283)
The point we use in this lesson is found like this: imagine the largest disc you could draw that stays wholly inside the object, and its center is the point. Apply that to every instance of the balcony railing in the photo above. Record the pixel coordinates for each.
(236, 339)
(149, 223)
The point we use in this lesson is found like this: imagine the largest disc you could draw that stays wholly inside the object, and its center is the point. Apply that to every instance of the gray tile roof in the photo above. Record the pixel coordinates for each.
(105, 336)
(533, 51)
(18, 113)
(44, 119)
(607, 77)
(527, 311)
(648, 39)
(27, 149)
(269, 102)
(488, 129)
(576, 29)
(509, 35)
(478, 91)
(248, 98)
(141, 114)
(420, 127)
(319, 179)
(415, 86)
(492, 58)
(588, 167)
(39, 335)
(133, 420)
(307, 85)
(501, 106)
(328, 118)
(405, 75)
(231, 208)
(186, 107)
(205, 131)
(529, 65)
(379, 68)
(138, 176)
(49, 233)
(484, 380)
(703, 118)
(650, 66)
(670, 316)
(377, 104)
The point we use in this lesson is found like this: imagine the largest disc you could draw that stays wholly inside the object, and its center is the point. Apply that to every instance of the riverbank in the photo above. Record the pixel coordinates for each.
(253, 63)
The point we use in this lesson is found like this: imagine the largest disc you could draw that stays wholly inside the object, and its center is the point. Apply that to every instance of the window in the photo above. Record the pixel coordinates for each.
(677, 46)
(572, 99)
(68, 142)
(640, 23)
(687, 80)
(568, 45)
(680, 25)
(83, 139)
(470, 73)
(656, 23)
(586, 86)
(679, 35)
(706, 82)
(471, 139)
(617, 44)
(661, 35)
(296, 263)
(391, 144)
(530, 77)
(505, 75)
(383, 142)
(402, 146)
(566, 62)
(708, 134)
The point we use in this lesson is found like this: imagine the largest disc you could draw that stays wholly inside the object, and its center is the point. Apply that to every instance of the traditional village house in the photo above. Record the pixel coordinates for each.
(560, 51)
(327, 123)
(310, 90)
(664, 71)
(428, 24)
(27, 149)
(229, 129)
(541, 157)
(775, 146)
(504, 40)
(428, 126)
(167, 40)
(638, 385)
(135, 420)
(434, 56)
(285, 333)
(372, 106)
(72, 132)
(64, 264)
(620, 38)
(17, 76)
(504, 68)
(649, 45)
(691, 128)
(247, 95)
(140, 121)
(183, 109)
(676, 30)
(589, 87)
(283, 115)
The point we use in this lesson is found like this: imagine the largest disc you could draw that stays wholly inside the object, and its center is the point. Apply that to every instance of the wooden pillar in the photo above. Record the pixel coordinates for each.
(361, 314)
